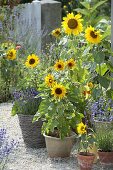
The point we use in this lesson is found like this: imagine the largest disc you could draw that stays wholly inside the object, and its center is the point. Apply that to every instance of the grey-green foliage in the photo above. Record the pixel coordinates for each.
(105, 140)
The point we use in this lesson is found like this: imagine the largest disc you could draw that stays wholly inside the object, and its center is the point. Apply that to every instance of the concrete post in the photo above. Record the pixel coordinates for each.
(50, 19)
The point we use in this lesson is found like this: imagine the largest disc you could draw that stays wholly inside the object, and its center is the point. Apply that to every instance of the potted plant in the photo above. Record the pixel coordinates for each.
(65, 88)
(26, 102)
(25, 106)
(105, 147)
(57, 109)
(86, 141)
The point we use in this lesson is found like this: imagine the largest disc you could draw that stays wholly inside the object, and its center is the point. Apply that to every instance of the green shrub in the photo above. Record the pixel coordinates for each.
(105, 141)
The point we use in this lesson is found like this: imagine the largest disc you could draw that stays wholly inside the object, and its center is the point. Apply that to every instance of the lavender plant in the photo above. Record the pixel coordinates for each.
(26, 102)
(6, 147)
(102, 109)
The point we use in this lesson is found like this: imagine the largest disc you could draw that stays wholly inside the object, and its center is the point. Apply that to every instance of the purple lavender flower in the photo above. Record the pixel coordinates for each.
(26, 101)
(6, 146)
(2, 135)
(25, 94)
(102, 109)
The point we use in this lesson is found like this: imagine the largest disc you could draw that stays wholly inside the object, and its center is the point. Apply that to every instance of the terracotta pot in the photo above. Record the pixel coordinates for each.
(106, 157)
(57, 147)
(85, 161)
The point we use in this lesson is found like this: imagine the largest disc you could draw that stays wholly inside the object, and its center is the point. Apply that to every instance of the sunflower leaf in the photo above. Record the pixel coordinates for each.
(97, 5)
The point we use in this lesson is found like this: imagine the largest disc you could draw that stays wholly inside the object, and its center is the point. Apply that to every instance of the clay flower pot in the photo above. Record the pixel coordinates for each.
(57, 147)
(106, 157)
(85, 161)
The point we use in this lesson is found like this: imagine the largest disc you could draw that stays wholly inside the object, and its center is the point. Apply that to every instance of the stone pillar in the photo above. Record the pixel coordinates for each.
(50, 19)
(28, 25)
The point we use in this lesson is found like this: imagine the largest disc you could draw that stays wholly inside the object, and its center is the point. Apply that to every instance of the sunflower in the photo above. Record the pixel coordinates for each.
(81, 128)
(11, 54)
(92, 35)
(90, 85)
(49, 80)
(72, 24)
(87, 91)
(59, 91)
(32, 61)
(70, 63)
(59, 65)
(56, 33)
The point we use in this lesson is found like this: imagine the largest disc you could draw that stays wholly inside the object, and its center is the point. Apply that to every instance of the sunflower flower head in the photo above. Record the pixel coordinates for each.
(11, 54)
(56, 33)
(92, 35)
(59, 65)
(32, 61)
(72, 24)
(86, 92)
(49, 80)
(81, 128)
(70, 63)
(90, 85)
(59, 91)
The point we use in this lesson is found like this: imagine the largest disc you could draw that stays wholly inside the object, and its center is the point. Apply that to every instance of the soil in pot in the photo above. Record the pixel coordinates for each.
(85, 161)
(57, 147)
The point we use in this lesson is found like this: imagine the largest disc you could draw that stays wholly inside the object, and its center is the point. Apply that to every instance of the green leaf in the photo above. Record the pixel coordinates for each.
(110, 66)
(104, 82)
(103, 67)
(110, 93)
(99, 57)
(96, 93)
(97, 5)
(82, 11)
(86, 4)
(107, 32)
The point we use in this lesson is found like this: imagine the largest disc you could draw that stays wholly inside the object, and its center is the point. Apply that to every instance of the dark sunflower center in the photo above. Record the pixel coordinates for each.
(82, 128)
(31, 61)
(59, 66)
(72, 23)
(93, 35)
(11, 54)
(70, 64)
(57, 32)
(58, 91)
(50, 81)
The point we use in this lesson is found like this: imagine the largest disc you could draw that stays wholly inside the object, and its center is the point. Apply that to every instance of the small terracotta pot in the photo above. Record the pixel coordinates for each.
(106, 157)
(85, 161)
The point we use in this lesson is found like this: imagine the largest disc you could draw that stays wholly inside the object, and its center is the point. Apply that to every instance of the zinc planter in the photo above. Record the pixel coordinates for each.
(85, 161)
(31, 132)
(106, 157)
(57, 147)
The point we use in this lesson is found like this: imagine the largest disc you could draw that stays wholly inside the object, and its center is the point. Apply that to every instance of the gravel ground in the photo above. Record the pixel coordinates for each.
(32, 159)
